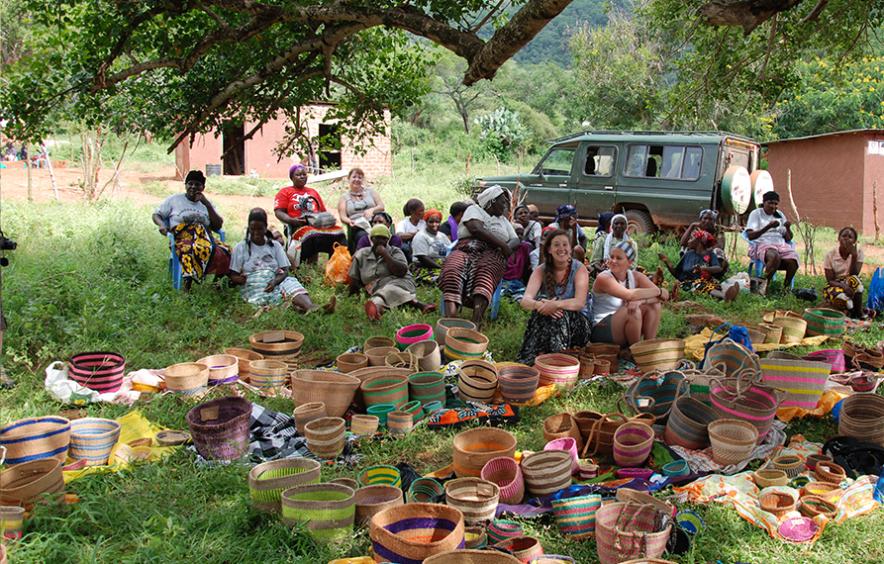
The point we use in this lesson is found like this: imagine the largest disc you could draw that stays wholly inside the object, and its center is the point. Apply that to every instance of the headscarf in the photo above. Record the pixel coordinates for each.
(298, 167)
(195, 176)
(387, 217)
(713, 213)
(565, 210)
(379, 231)
(770, 196)
(490, 194)
(604, 222)
(627, 249)
(708, 239)
(431, 213)
(548, 229)
(609, 240)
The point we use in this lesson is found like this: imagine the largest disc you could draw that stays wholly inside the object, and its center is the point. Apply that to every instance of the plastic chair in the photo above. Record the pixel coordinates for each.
(175, 264)
(756, 266)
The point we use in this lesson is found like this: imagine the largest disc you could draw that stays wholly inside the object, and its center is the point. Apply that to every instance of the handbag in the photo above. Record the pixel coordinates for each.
(337, 269)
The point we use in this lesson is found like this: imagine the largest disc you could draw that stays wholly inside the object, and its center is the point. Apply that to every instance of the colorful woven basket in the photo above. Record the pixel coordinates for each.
(93, 439)
(425, 490)
(446, 323)
(472, 556)
(268, 374)
(567, 444)
(741, 398)
(99, 371)
(411, 533)
(325, 436)
(500, 530)
(277, 344)
(546, 472)
(655, 394)
(186, 378)
(575, 516)
(415, 409)
(12, 522)
(824, 321)
(327, 510)
(476, 498)
(400, 422)
(385, 389)
(307, 412)
(268, 480)
(835, 357)
(803, 381)
(334, 389)
(426, 387)
(769, 478)
(411, 334)
(26, 483)
(465, 344)
(862, 417)
(36, 438)
(223, 368)
(632, 444)
(243, 357)
(220, 428)
(428, 355)
(829, 472)
(476, 381)
(688, 422)
(475, 537)
(506, 473)
(348, 362)
(563, 370)
(517, 382)
(730, 357)
(562, 425)
(381, 474)
(790, 464)
(626, 530)
(733, 440)
(523, 548)
(474, 447)
(657, 354)
(373, 499)
(381, 411)
(699, 382)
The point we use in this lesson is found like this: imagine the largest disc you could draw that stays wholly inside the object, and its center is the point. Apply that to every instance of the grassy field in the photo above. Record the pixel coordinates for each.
(94, 278)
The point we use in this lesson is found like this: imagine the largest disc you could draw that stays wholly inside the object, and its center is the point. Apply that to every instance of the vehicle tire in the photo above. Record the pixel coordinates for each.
(639, 222)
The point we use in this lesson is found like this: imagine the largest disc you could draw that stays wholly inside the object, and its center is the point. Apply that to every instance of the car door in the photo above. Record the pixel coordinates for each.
(594, 191)
(550, 184)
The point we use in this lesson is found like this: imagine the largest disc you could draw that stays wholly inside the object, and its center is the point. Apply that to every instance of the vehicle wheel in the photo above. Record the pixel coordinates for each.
(639, 222)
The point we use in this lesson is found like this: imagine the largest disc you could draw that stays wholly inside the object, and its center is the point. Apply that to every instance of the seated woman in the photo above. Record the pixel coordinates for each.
(383, 272)
(301, 209)
(414, 223)
(485, 239)
(602, 252)
(430, 246)
(769, 233)
(708, 222)
(357, 206)
(191, 218)
(625, 303)
(455, 213)
(698, 268)
(380, 218)
(843, 265)
(526, 228)
(259, 264)
(556, 298)
(566, 220)
(597, 257)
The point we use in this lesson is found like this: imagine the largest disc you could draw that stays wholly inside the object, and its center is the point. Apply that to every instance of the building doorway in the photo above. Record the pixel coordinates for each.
(329, 147)
(234, 148)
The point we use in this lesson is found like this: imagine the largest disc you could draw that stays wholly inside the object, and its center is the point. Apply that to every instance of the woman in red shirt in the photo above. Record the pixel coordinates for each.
(293, 206)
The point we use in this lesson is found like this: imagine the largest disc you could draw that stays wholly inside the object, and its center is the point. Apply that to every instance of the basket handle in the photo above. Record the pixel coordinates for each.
(597, 429)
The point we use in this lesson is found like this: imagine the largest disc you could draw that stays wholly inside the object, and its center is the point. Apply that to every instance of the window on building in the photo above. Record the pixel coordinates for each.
(329, 147)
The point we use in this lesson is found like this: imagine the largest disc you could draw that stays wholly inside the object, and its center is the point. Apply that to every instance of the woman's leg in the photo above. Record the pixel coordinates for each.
(451, 280)
(626, 325)
(791, 267)
(480, 304)
(650, 320)
(772, 263)
(490, 266)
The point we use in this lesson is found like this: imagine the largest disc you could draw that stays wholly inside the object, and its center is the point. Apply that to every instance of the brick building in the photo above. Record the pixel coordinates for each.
(833, 176)
(332, 151)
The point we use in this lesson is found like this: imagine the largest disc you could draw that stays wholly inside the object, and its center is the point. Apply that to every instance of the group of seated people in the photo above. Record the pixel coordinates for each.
(576, 290)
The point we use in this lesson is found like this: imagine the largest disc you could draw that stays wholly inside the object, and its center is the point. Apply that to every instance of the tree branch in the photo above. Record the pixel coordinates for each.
(748, 14)
(770, 46)
(815, 13)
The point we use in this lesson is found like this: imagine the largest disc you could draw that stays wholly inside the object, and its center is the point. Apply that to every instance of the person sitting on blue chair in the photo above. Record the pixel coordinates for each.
(190, 218)
(769, 233)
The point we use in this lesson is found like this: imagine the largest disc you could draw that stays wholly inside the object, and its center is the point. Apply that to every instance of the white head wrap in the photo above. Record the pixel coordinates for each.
(609, 240)
(488, 195)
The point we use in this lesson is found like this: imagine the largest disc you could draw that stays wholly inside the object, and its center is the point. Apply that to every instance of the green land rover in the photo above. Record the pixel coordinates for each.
(658, 180)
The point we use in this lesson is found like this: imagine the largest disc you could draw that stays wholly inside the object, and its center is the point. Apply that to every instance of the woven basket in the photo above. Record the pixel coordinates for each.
(632, 444)
(474, 447)
(334, 389)
(600, 435)
(777, 502)
(476, 498)
(834, 357)
(730, 357)
(688, 421)
(552, 559)
(220, 428)
(325, 436)
(802, 381)
(244, 357)
(790, 464)
(824, 321)
(364, 424)
(567, 444)
(268, 374)
(186, 378)
(401, 359)
(327, 510)
(812, 460)
(475, 537)
(562, 425)
(523, 548)
(862, 417)
(465, 344)
(518, 382)
(93, 439)
(411, 334)
(373, 499)
(385, 389)
(446, 323)
(655, 394)
(377, 341)
(829, 472)
(268, 480)
(425, 490)
(506, 473)
(811, 506)
(411, 533)
(756, 335)
(699, 382)
(500, 530)
(657, 354)
(426, 387)
(546, 472)
(476, 381)
(472, 556)
(363, 374)
(769, 478)
(348, 362)
(377, 356)
(223, 368)
(742, 399)
(601, 367)
(563, 370)
(25, 483)
(604, 351)
(12, 522)
(349, 482)
(381, 474)
(36, 438)
(413, 408)
(794, 329)
(277, 344)
(826, 490)
(773, 334)
(99, 371)
(733, 440)
(400, 422)
(428, 355)
(381, 411)
(626, 530)
(575, 516)
(306, 413)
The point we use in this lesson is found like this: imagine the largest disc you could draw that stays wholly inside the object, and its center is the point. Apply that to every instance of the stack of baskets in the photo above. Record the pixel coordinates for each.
(326, 436)
(307, 412)
(268, 480)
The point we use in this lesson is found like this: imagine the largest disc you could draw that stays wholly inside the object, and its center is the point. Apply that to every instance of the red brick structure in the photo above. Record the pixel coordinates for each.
(832, 177)
(256, 154)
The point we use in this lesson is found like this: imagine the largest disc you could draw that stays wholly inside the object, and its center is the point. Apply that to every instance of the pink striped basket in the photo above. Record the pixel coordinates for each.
(506, 473)
(575, 516)
(802, 380)
(502, 529)
(632, 443)
(560, 369)
(742, 398)
(99, 371)
(835, 357)
(567, 444)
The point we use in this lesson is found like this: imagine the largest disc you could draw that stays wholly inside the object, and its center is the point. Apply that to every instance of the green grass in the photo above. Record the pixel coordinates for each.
(94, 278)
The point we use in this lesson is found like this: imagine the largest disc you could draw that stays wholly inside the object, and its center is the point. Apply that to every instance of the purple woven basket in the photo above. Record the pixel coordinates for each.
(220, 428)
(506, 473)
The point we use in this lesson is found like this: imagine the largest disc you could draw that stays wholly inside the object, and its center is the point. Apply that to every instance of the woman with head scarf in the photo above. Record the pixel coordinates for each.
(301, 209)
(357, 206)
(191, 218)
(382, 271)
(566, 220)
(698, 269)
(707, 220)
(380, 218)
(556, 297)
(430, 246)
(475, 267)
(625, 303)
(769, 233)
(259, 264)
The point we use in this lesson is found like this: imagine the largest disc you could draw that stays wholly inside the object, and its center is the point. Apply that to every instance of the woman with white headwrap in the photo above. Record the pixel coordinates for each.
(601, 248)
(485, 238)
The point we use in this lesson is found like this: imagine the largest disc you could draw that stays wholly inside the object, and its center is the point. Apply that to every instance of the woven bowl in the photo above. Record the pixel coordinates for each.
(334, 389)
(777, 502)
(829, 472)
(377, 355)
(768, 478)
(24, 484)
(268, 480)
(223, 368)
(364, 424)
(378, 341)
(243, 358)
(465, 344)
(186, 377)
(474, 447)
(733, 440)
(373, 499)
(307, 412)
(325, 436)
(284, 343)
(811, 506)
(790, 464)
(348, 362)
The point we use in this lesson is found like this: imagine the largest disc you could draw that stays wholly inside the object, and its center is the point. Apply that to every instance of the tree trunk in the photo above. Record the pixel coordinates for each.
(30, 179)
(52, 181)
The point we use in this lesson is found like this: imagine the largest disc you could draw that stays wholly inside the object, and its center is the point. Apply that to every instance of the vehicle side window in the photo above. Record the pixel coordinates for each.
(664, 161)
(637, 160)
(557, 162)
(692, 161)
(599, 161)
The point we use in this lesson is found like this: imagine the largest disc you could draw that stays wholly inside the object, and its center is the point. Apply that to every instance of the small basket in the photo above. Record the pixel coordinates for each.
(99, 371)
(500, 530)
(813, 459)
(381, 474)
(563, 370)
(773, 334)
(472, 556)
(364, 425)
(377, 356)
(428, 355)
(36, 438)
(475, 538)
(811, 506)
(567, 444)
(93, 439)
(220, 428)
(829, 472)
(657, 354)
(523, 548)
(632, 444)
(325, 436)
(575, 516)
(777, 502)
(425, 490)
(794, 329)
(268, 480)
(426, 387)
(349, 482)
(308, 412)
(12, 522)
(733, 440)
(378, 341)
(476, 381)
(562, 425)
(770, 478)
(476, 498)
(401, 359)
(446, 323)
(824, 321)
(416, 531)
(243, 357)
(861, 417)
(399, 422)
(327, 510)
(827, 490)
(790, 464)
(415, 409)
(24, 484)
(411, 334)
(334, 389)
(465, 344)
(373, 499)
(223, 368)
(381, 411)
(546, 472)
(506, 473)
(474, 447)
(186, 378)
(280, 345)
(385, 389)
(268, 374)
(518, 382)
(348, 362)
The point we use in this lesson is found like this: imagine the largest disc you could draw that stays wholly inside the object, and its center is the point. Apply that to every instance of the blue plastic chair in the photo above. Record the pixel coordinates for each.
(175, 264)
(756, 266)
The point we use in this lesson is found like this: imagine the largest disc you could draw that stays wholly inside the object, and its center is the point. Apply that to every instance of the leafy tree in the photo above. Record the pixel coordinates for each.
(448, 83)
(501, 133)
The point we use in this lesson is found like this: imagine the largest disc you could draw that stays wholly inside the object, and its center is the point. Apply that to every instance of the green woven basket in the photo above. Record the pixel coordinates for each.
(327, 510)
(824, 321)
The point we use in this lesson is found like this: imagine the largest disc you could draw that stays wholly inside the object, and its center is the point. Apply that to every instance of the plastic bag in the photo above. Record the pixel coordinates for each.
(876, 291)
(338, 266)
(64, 389)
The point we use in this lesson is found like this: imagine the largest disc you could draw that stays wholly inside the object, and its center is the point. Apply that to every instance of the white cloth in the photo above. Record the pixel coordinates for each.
(178, 209)
(406, 226)
(534, 257)
(432, 247)
(758, 219)
(499, 226)
(249, 257)
(604, 305)
(487, 195)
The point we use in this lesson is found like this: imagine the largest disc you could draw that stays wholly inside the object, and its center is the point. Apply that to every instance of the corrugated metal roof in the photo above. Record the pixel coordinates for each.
(833, 133)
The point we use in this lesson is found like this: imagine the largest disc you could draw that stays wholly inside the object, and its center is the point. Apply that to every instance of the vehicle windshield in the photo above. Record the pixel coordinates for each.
(557, 161)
